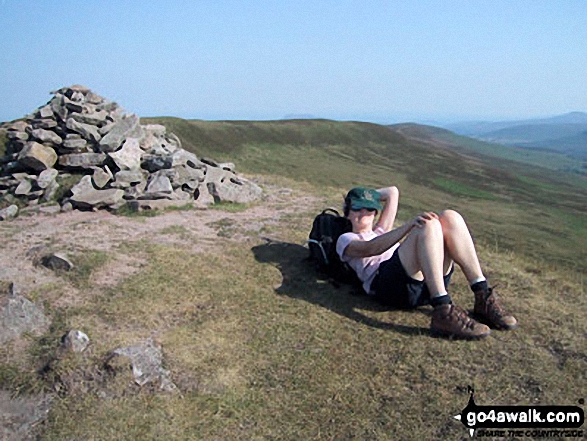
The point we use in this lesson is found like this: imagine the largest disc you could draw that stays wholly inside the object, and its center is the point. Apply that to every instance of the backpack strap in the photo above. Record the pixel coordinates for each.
(321, 249)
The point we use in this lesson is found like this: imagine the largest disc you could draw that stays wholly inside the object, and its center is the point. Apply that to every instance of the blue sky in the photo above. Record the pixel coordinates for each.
(382, 61)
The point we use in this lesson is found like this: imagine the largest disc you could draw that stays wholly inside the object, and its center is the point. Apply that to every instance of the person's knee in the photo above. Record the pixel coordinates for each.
(451, 218)
(430, 229)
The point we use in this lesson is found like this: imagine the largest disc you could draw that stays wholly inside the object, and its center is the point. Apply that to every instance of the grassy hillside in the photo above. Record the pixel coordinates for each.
(512, 206)
(260, 346)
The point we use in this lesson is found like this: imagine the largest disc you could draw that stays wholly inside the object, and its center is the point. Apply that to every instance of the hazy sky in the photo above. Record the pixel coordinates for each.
(383, 61)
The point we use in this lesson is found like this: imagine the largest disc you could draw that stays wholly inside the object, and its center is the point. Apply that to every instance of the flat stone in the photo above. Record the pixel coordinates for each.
(154, 163)
(92, 198)
(19, 315)
(46, 112)
(24, 188)
(47, 136)
(37, 156)
(129, 156)
(9, 212)
(84, 184)
(88, 132)
(94, 118)
(17, 135)
(125, 128)
(44, 123)
(147, 364)
(82, 160)
(102, 176)
(126, 178)
(159, 185)
(18, 126)
(58, 106)
(235, 190)
(46, 177)
(75, 144)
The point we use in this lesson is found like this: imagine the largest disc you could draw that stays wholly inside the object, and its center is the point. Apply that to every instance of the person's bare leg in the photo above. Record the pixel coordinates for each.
(422, 256)
(459, 244)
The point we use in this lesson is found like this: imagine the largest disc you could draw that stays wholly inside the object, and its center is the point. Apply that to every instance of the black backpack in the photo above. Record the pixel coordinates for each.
(328, 226)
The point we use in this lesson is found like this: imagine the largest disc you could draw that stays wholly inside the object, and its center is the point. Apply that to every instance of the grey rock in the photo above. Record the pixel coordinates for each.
(123, 129)
(72, 106)
(217, 175)
(23, 188)
(88, 132)
(47, 136)
(57, 262)
(9, 212)
(156, 130)
(129, 156)
(18, 126)
(46, 177)
(126, 178)
(37, 156)
(94, 118)
(235, 190)
(229, 166)
(20, 415)
(158, 187)
(50, 192)
(75, 341)
(153, 163)
(19, 315)
(74, 143)
(17, 136)
(58, 106)
(183, 157)
(146, 360)
(101, 177)
(46, 112)
(44, 123)
(84, 184)
(98, 198)
(82, 160)
(106, 128)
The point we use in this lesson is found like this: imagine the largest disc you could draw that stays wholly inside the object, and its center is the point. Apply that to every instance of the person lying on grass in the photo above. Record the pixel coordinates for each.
(418, 270)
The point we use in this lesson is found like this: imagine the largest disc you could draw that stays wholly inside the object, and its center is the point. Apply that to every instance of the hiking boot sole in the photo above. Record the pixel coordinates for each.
(452, 336)
(482, 319)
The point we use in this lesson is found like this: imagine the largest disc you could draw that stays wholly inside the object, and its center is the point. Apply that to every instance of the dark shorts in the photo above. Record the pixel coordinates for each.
(395, 288)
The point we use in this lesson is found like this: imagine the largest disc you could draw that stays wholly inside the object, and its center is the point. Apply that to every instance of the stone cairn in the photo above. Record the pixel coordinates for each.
(79, 134)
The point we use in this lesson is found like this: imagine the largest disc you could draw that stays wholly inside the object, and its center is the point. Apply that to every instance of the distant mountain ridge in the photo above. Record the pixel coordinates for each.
(563, 133)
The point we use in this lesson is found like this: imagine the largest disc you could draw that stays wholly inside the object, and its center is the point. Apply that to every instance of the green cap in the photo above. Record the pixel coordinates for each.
(360, 197)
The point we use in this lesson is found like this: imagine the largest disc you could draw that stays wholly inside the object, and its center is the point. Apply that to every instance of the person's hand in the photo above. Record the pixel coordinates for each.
(420, 220)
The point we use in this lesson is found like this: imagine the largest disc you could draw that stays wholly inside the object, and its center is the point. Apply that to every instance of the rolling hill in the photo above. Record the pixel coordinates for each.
(564, 133)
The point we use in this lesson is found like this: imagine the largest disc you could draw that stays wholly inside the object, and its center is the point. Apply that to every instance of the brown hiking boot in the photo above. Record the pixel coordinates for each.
(490, 310)
(452, 320)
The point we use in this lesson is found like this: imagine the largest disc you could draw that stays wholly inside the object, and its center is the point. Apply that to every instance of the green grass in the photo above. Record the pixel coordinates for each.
(458, 189)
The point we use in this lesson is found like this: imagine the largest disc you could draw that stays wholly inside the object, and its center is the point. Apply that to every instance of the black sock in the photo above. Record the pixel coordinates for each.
(480, 286)
(440, 300)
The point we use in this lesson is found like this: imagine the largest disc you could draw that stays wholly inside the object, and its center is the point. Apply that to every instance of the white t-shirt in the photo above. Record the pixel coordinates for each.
(365, 267)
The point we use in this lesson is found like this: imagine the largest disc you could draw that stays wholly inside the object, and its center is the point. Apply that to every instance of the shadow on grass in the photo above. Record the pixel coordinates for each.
(301, 281)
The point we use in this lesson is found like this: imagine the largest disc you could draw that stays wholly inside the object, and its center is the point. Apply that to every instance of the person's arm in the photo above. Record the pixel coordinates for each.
(390, 201)
(380, 244)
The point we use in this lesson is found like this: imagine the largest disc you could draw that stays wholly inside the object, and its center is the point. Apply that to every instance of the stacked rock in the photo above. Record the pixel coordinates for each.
(80, 134)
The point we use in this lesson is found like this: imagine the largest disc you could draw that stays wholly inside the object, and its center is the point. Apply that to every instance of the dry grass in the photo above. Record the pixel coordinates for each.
(262, 348)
